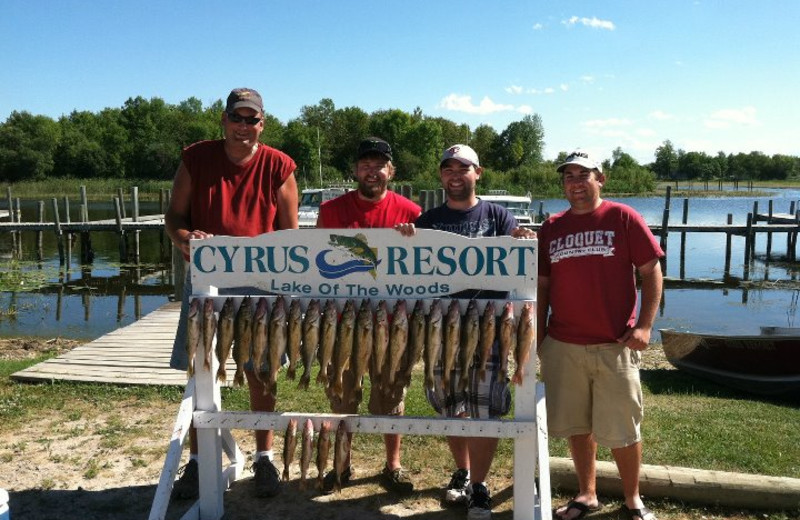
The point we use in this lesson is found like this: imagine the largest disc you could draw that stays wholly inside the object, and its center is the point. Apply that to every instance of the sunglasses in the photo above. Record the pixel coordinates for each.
(233, 117)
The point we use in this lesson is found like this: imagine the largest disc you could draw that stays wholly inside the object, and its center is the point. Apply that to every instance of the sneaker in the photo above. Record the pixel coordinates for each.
(396, 481)
(266, 478)
(188, 484)
(329, 482)
(480, 503)
(458, 489)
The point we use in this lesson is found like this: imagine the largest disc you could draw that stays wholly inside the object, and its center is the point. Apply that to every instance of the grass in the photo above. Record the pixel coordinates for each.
(96, 189)
(687, 423)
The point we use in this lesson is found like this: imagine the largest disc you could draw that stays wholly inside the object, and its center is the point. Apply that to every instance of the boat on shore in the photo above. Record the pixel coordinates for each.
(766, 364)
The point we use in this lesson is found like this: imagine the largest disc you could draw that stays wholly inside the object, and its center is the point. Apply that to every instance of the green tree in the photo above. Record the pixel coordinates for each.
(350, 126)
(521, 143)
(27, 146)
(484, 140)
(666, 165)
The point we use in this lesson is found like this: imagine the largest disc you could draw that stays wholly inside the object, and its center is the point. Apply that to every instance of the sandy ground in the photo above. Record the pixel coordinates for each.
(101, 462)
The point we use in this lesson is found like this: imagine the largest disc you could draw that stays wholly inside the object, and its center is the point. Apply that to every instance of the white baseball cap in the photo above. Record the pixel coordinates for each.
(463, 153)
(581, 158)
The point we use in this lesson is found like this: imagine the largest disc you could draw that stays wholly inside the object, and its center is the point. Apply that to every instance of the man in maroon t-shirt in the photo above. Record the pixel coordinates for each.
(590, 343)
(240, 187)
(372, 205)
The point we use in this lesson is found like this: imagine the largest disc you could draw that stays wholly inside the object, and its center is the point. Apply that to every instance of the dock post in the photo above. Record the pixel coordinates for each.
(40, 217)
(123, 243)
(665, 227)
(438, 197)
(728, 247)
(135, 198)
(11, 219)
(748, 238)
(17, 217)
(68, 253)
(87, 255)
(59, 235)
(769, 233)
(684, 220)
(161, 209)
(753, 235)
(791, 237)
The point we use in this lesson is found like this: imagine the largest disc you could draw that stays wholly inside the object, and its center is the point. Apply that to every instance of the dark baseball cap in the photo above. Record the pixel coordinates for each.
(244, 98)
(374, 145)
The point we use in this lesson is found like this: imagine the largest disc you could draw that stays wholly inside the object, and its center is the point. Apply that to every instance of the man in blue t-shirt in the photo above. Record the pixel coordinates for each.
(465, 214)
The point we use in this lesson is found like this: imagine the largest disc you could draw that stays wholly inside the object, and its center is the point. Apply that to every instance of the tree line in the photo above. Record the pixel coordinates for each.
(143, 139)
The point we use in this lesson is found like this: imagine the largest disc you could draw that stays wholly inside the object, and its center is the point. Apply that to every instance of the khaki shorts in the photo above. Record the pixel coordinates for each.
(381, 402)
(592, 389)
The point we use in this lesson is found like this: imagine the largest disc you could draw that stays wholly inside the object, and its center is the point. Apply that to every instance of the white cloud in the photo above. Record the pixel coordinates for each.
(564, 87)
(549, 90)
(514, 89)
(537, 26)
(587, 79)
(660, 115)
(729, 117)
(645, 132)
(525, 109)
(593, 22)
(458, 103)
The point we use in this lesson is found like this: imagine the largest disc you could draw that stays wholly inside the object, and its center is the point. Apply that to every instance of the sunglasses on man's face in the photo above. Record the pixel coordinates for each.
(233, 117)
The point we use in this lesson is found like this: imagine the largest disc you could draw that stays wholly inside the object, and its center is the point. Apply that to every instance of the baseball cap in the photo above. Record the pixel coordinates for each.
(463, 153)
(581, 158)
(244, 98)
(374, 145)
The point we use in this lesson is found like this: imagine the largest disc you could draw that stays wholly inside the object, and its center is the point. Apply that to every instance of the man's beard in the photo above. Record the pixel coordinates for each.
(462, 193)
(371, 191)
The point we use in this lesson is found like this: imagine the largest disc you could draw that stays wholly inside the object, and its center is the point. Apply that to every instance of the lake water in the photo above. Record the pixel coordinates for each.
(87, 302)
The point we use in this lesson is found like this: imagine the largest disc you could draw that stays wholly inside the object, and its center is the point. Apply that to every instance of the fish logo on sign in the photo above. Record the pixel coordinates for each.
(364, 258)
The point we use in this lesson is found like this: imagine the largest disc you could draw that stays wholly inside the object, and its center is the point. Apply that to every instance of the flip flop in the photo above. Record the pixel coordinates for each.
(642, 513)
(582, 509)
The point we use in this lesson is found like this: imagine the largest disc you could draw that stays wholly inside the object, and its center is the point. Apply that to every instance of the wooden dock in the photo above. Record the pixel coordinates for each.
(137, 354)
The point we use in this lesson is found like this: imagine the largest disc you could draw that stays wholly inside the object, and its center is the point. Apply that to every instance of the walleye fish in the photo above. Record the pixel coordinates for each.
(194, 333)
(327, 340)
(488, 322)
(294, 336)
(306, 451)
(508, 337)
(289, 444)
(452, 339)
(358, 248)
(398, 340)
(433, 343)
(525, 335)
(209, 329)
(323, 448)
(341, 450)
(277, 342)
(224, 337)
(380, 341)
(470, 333)
(260, 336)
(362, 345)
(416, 340)
(242, 338)
(311, 323)
(344, 346)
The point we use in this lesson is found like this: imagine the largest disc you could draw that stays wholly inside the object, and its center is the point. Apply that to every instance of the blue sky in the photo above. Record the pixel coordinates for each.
(707, 75)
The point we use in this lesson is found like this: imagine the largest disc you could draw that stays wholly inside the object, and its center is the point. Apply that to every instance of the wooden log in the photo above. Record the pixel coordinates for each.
(69, 236)
(769, 233)
(728, 236)
(59, 234)
(18, 219)
(39, 243)
(748, 238)
(685, 220)
(87, 255)
(135, 198)
(123, 243)
(665, 227)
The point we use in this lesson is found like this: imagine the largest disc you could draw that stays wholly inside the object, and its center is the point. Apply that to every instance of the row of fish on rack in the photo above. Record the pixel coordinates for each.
(381, 343)
(323, 443)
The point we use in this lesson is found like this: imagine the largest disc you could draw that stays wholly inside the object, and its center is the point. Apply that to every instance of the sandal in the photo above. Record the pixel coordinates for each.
(641, 514)
(582, 509)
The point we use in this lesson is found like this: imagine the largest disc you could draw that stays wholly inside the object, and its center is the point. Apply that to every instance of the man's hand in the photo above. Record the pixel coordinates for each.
(406, 229)
(635, 338)
(193, 235)
(523, 233)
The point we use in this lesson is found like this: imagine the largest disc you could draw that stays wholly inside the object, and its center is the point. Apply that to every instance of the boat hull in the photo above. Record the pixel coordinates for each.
(765, 364)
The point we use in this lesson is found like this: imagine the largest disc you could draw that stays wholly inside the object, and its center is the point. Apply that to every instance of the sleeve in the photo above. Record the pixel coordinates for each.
(544, 257)
(644, 245)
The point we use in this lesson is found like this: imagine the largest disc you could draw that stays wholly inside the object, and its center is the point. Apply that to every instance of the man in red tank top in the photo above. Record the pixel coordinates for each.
(372, 205)
(233, 186)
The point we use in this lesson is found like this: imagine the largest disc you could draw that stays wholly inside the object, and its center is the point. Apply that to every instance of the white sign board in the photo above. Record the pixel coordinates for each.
(366, 263)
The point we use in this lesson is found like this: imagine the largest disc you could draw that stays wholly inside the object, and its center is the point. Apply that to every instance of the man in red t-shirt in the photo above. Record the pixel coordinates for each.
(240, 187)
(590, 345)
(372, 205)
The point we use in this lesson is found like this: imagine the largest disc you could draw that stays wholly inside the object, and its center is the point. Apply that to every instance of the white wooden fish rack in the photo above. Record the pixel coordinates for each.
(319, 264)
